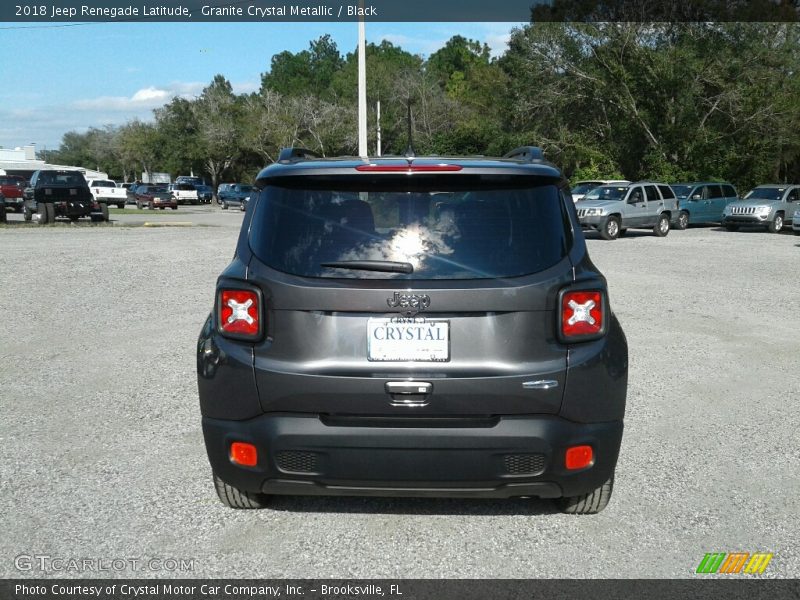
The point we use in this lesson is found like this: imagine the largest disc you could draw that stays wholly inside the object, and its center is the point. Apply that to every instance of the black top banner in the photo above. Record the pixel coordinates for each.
(74, 11)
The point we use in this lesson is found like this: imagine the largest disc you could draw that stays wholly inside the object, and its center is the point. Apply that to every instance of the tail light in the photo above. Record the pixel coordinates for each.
(578, 457)
(239, 314)
(583, 315)
(243, 453)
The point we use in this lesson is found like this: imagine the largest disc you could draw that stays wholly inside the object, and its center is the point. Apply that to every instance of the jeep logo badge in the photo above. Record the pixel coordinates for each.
(410, 302)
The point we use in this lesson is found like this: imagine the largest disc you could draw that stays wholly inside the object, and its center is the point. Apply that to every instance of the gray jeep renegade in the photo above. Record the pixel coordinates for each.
(412, 327)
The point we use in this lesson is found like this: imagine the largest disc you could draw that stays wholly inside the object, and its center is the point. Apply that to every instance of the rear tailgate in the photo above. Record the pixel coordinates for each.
(473, 326)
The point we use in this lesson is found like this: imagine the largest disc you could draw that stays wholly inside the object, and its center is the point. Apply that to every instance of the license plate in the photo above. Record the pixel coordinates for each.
(408, 340)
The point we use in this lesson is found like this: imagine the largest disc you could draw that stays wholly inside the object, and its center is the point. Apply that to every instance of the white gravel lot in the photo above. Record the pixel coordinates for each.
(103, 455)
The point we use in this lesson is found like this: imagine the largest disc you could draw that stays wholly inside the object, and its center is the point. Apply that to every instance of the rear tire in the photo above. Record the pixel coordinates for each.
(235, 498)
(776, 224)
(224, 206)
(588, 504)
(27, 214)
(139, 205)
(661, 228)
(121, 205)
(610, 229)
(46, 213)
(683, 220)
(104, 212)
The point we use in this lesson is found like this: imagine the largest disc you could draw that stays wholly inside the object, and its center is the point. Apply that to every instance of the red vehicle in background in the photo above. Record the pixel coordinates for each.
(13, 189)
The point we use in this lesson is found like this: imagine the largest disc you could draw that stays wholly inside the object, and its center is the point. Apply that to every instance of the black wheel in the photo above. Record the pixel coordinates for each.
(224, 206)
(175, 207)
(104, 212)
(139, 205)
(610, 229)
(683, 220)
(74, 218)
(3, 217)
(661, 228)
(235, 498)
(161, 207)
(776, 224)
(46, 213)
(151, 206)
(588, 504)
(121, 205)
(731, 227)
(27, 214)
(796, 231)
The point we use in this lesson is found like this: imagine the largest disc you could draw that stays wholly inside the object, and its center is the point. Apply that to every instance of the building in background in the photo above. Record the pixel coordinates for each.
(23, 162)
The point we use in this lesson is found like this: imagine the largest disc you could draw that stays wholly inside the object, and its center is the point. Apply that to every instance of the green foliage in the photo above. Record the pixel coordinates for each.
(663, 101)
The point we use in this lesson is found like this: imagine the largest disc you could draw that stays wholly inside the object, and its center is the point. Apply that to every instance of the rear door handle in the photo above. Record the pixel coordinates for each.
(409, 388)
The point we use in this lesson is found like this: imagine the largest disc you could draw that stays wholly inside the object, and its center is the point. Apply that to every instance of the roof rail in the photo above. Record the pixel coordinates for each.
(526, 153)
(287, 154)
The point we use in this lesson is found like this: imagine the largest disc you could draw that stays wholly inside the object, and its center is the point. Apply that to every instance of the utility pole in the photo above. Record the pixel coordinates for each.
(362, 86)
(378, 110)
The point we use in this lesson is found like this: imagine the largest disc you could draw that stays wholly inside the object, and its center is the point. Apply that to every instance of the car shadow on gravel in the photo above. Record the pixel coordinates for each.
(413, 506)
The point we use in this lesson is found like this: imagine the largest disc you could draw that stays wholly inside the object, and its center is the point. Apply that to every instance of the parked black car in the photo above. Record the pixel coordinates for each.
(234, 194)
(61, 194)
(412, 327)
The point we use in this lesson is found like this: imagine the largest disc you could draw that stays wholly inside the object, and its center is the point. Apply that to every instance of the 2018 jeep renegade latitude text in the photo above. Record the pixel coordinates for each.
(412, 327)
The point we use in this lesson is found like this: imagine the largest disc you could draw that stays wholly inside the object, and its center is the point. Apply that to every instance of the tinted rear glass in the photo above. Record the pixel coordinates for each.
(495, 230)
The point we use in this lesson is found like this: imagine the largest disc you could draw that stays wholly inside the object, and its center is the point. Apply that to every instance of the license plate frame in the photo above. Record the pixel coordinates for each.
(431, 350)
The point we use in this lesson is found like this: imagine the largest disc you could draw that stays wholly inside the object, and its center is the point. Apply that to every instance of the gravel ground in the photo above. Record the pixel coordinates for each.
(103, 455)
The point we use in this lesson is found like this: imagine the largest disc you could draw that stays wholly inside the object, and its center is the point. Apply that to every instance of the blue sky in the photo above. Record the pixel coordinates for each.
(60, 79)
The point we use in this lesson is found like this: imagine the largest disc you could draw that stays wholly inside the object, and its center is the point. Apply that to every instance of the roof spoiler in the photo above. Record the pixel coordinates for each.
(289, 154)
(526, 153)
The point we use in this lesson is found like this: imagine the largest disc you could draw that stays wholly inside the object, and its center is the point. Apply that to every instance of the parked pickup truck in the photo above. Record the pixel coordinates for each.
(61, 193)
(184, 193)
(106, 191)
(12, 187)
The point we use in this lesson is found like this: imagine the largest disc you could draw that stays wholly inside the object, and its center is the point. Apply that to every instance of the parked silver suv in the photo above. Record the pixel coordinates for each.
(770, 206)
(613, 209)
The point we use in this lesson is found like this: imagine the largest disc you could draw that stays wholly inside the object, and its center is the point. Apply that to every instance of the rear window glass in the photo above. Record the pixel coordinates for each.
(500, 231)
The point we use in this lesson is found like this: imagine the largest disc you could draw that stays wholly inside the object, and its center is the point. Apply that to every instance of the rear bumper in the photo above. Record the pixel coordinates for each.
(496, 457)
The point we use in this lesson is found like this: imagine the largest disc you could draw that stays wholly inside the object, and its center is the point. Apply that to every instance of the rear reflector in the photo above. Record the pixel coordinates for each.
(582, 314)
(408, 168)
(244, 454)
(239, 313)
(579, 457)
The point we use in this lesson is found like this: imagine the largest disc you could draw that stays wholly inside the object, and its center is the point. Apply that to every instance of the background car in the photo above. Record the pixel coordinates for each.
(154, 196)
(234, 194)
(613, 209)
(12, 187)
(205, 193)
(702, 202)
(582, 187)
(770, 206)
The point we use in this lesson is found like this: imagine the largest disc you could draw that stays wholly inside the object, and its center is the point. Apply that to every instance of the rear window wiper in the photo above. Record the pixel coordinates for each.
(386, 266)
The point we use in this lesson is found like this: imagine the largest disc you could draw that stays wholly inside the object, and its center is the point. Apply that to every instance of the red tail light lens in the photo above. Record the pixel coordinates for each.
(244, 454)
(239, 313)
(582, 315)
(579, 457)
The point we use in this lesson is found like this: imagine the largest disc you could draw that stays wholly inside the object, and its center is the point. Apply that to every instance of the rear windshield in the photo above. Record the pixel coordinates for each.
(496, 230)
(103, 183)
(61, 178)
